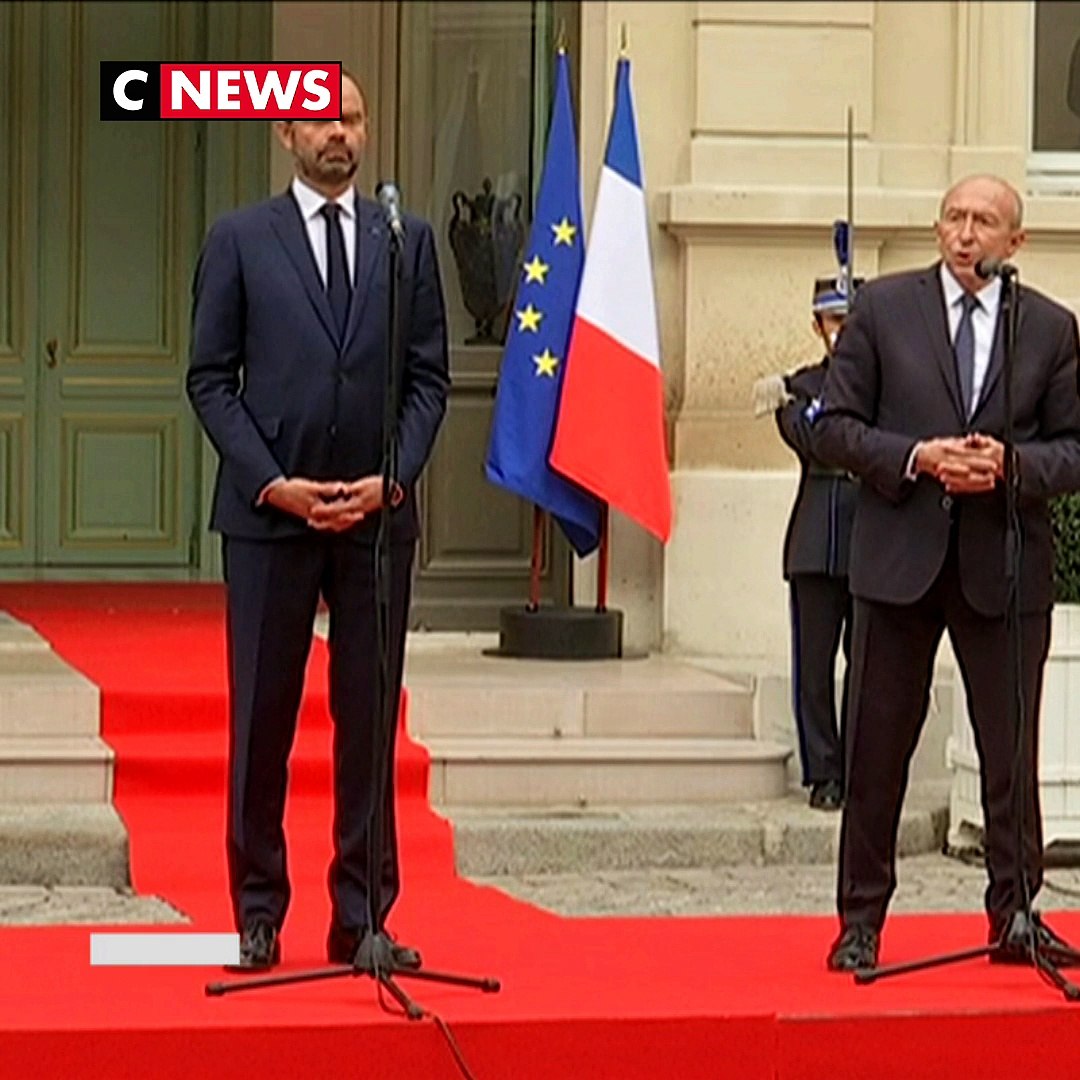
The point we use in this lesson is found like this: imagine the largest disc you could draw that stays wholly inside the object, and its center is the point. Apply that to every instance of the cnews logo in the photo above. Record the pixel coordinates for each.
(153, 90)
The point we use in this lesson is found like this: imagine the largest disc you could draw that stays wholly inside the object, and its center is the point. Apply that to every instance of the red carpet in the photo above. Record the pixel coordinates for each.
(603, 998)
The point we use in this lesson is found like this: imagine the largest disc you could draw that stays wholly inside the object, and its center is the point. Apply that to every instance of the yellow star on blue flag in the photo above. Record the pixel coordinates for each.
(529, 319)
(536, 269)
(564, 232)
(546, 363)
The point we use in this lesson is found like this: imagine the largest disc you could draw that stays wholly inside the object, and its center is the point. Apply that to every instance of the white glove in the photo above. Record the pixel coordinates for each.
(769, 394)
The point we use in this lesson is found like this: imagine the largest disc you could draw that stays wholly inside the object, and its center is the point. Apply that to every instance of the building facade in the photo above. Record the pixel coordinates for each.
(741, 108)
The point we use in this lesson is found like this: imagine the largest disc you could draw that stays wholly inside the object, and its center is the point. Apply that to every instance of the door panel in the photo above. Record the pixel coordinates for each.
(19, 26)
(117, 478)
(100, 462)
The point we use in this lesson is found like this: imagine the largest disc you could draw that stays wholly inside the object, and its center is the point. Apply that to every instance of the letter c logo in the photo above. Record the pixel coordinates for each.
(120, 90)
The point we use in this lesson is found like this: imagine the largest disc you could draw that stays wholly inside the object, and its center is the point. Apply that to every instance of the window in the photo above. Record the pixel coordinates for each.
(1055, 97)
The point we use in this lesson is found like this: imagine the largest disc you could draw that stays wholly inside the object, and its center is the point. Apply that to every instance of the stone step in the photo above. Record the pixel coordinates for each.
(16, 636)
(775, 832)
(49, 844)
(57, 769)
(41, 695)
(468, 693)
(606, 771)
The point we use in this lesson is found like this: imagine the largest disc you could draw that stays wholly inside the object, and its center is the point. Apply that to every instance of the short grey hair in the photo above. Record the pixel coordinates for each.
(1018, 203)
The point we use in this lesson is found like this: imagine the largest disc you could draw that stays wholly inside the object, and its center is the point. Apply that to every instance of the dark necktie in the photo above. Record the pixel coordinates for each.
(964, 347)
(338, 288)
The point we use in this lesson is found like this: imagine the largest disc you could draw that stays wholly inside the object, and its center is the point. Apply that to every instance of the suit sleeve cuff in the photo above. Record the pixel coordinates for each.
(910, 472)
(260, 499)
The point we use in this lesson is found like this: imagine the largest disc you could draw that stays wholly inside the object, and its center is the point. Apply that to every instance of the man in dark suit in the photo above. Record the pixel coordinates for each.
(914, 404)
(816, 565)
(287, 377)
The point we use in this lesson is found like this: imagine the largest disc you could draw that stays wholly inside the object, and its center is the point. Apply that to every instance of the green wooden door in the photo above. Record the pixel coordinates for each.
(119, 222)
(18, 286)
(98, 235)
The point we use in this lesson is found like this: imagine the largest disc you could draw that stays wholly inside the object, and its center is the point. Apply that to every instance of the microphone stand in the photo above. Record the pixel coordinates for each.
(1022, 931)
(377, 956)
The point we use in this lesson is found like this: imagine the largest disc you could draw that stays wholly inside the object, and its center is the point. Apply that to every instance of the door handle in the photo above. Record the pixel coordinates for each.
(50, 352)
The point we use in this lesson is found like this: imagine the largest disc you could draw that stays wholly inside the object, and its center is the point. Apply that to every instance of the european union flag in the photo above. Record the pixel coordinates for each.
(531, 375)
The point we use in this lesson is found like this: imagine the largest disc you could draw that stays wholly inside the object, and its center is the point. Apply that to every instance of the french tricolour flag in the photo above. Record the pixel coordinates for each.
(609, 435)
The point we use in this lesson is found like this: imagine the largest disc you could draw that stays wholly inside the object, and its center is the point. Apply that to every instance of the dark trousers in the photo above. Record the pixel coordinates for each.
(892, 669)
(273, 588)
(820, 621)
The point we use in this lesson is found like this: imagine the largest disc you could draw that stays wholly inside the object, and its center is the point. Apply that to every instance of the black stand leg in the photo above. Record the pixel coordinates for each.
(377, 956)
(375, 959)
(1024, 940)
(1021, 939)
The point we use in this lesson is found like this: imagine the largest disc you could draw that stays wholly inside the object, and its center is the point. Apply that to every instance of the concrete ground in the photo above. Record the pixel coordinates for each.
(656, 864)
(931, 882)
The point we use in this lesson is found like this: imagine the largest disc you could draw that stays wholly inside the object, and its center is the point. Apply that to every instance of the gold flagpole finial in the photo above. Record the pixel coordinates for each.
(560, 40)
(624, 47)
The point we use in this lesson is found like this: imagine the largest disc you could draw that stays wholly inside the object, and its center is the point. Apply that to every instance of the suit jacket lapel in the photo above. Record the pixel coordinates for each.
(932, 306)
(371, 257)
(288, 223)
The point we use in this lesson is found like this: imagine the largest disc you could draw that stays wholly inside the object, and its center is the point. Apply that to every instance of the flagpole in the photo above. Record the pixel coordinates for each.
(527, 398)
(537, 559)
(602, 564)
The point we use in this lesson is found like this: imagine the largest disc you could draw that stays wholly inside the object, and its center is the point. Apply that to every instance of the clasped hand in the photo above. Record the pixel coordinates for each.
(328, 505)
(963, 465)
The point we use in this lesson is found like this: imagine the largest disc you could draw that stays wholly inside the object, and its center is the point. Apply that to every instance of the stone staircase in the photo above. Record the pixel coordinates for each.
(57, 822)
(552, 734)
(555, 768)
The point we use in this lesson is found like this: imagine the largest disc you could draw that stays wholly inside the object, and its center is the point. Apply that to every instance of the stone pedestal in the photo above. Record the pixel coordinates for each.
(1059, 742)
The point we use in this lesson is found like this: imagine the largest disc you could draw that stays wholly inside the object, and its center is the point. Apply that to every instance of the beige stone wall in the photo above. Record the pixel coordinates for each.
(938, 89)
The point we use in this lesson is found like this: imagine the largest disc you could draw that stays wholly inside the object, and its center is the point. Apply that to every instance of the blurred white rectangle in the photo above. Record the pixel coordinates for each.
(164, 950)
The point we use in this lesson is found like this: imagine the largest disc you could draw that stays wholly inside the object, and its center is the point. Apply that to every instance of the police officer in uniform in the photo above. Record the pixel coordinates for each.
(815, 564)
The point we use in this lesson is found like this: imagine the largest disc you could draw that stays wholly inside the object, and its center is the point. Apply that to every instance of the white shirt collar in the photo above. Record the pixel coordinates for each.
(989, 295)
(312, 201)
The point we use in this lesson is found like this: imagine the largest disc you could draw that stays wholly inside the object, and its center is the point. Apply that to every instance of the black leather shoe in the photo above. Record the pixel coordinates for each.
(855, 949)
(827, 795)
(260, 949)
(342, 944)
(1014, 936)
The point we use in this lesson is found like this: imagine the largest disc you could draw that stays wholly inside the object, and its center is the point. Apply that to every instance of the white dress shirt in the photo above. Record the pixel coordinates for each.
(983, 323)
(311, 203)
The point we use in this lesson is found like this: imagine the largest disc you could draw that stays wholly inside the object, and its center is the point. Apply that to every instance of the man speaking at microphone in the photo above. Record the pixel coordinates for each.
(287, 376)
(914, 404)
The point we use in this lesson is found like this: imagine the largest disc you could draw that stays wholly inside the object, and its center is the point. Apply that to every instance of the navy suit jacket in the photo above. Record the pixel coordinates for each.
(893, 382)
(279, 393)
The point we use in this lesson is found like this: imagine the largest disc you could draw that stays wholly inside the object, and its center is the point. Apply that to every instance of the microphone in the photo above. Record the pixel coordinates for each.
(390, 200)
(988, 268)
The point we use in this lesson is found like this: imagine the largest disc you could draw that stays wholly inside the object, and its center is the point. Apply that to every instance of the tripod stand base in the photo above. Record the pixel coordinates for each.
(377, 957)
(378, 952)
(1026, 941)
